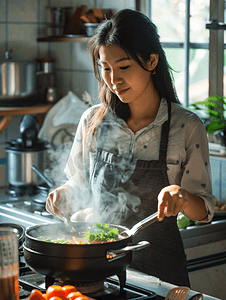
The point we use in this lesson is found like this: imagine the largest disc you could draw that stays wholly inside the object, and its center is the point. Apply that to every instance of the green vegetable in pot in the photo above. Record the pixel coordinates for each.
(183, 221)
(101, 232)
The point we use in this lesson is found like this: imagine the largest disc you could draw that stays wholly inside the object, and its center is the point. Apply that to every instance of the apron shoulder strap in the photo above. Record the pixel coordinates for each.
(165, 136)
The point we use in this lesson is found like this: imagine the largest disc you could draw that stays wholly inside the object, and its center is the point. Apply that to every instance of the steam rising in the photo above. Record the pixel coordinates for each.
(111, 201)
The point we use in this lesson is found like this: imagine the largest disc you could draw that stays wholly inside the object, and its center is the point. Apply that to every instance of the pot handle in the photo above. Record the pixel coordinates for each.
(112, 255)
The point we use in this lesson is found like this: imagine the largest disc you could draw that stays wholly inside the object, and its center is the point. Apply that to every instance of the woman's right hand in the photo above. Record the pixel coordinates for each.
(56, 199)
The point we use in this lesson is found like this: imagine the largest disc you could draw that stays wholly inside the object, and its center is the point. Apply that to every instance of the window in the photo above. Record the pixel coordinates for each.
(186, 43)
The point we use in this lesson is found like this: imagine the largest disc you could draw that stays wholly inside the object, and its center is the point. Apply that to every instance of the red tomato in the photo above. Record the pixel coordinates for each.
(36, 295)
(69, 289)
(55, 291)
(55, 298)
(74, 295)
(44, 296)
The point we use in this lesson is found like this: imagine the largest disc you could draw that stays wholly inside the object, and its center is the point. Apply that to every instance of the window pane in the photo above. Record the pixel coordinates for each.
(169, 17)
(199, 11)
(175, 58)
(198, 75)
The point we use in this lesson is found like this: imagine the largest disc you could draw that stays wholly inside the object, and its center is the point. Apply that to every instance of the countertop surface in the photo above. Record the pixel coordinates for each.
(154, 284)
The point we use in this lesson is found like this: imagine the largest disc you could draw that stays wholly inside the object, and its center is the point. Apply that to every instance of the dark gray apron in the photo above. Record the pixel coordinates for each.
(118, 184)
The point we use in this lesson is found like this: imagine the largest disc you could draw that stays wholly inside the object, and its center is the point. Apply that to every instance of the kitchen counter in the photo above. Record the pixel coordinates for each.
(154, 284)
(204, 234)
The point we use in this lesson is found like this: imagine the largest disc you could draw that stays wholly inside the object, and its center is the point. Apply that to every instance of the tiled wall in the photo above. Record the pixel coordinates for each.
(21, 22)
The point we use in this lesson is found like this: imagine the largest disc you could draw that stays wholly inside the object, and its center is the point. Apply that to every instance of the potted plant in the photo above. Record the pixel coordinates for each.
(214, 120)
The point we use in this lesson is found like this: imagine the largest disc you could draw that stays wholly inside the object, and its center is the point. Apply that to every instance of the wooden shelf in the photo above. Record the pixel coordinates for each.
(70, 39)
(8, 112)
(23, 110)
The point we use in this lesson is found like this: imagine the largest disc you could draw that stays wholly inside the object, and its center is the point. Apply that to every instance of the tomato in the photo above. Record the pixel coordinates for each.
(36, 295)
(44, 296)
(69, 289)
(74, 295)
(55, 290)
(55, 298)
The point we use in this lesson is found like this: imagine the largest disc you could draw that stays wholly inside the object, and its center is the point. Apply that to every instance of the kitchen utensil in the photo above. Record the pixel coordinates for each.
(178, 293)
(42, 188)
(67, 221)
(9, 264)
(196, 297)
(58, 19)
(24, 152)
(82, 263)
(17, 81)
(45, 65)
(46, 76)
(90, 27)
(29, 130)
(42, 176)
(142, 224)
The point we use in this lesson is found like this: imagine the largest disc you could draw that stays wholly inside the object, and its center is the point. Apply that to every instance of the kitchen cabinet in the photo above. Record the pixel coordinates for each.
(218, 169)
(8, 112)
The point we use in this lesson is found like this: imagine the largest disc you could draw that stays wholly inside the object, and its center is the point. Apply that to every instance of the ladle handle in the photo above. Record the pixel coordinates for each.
(144, 223)
(39, 173)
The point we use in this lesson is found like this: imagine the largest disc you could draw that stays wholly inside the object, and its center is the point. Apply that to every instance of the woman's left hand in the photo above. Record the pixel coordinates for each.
(171, 201)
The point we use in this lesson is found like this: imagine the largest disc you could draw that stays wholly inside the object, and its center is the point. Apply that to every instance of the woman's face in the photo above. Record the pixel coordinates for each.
(123, 75)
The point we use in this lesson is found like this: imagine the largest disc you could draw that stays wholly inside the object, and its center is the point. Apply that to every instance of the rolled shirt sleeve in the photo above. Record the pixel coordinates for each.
(196, 176)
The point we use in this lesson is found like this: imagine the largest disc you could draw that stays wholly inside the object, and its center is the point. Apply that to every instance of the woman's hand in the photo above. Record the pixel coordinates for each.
(173, 199)
(57, 198)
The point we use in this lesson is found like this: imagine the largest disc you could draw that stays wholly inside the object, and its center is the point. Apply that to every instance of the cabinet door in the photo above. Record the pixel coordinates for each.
(216, 177)
(223, 181)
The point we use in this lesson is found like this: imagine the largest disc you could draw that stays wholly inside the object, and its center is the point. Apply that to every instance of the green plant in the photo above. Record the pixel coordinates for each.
(216, 114)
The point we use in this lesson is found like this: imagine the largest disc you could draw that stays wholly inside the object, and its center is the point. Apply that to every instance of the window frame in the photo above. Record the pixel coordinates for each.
(215, 45)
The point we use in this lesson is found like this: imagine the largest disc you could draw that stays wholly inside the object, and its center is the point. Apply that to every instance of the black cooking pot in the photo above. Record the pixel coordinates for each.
(84, 263)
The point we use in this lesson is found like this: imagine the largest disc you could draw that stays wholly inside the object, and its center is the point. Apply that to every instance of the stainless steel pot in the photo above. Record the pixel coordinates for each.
(25, 152)
(19, 164)
(17, 79)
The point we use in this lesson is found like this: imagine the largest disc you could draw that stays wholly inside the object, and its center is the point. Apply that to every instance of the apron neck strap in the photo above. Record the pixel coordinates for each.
(165, 136)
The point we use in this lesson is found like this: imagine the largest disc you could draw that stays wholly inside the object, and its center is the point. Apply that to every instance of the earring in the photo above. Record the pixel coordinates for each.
(153, 72)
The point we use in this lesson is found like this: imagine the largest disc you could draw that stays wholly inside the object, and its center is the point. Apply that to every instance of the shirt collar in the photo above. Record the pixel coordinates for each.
(161, 117)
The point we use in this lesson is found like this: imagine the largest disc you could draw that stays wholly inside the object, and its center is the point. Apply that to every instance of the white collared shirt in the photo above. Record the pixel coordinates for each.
(187, 156)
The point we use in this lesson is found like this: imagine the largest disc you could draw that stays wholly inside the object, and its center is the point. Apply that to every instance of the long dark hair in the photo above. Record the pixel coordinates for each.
(133, 32)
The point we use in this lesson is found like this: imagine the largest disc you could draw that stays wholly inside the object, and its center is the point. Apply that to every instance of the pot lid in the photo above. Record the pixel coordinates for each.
(18, 145)
(9, 58)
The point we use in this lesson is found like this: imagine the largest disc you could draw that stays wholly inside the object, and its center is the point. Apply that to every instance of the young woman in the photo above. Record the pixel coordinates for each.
(139, 151)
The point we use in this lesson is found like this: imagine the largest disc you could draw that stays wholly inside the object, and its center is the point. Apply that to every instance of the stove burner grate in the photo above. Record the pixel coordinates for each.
(18, 191)
(111, 290)
(87, 288)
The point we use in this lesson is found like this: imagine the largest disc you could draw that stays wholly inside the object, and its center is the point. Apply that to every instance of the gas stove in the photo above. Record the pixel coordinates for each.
(113, 288)
(27, 209)
(110, 291)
